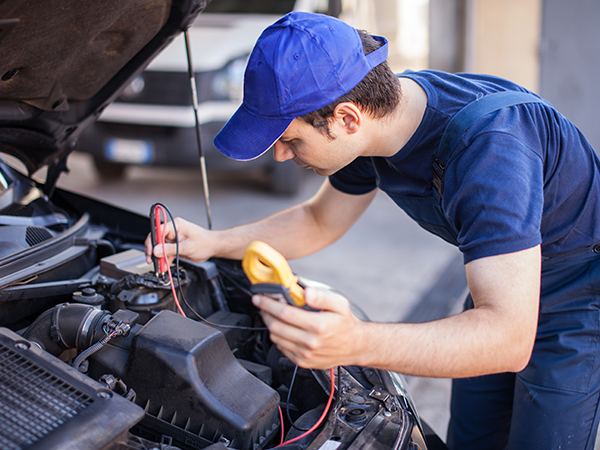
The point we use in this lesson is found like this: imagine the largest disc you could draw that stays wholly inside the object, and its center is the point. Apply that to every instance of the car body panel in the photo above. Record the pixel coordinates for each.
(63, 61)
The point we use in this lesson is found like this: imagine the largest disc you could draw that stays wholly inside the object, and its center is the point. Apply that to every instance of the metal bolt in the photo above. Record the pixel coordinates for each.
(105, 395)
(22, 345)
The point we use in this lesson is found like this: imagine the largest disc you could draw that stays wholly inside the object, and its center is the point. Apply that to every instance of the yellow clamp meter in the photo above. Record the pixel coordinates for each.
(271, 275)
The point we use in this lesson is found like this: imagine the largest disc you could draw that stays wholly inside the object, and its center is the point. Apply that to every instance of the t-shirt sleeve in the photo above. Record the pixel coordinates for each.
(356, 178)
(493, 193)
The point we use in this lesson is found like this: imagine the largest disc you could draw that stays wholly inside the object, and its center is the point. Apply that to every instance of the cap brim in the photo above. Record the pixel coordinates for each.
(246, 136)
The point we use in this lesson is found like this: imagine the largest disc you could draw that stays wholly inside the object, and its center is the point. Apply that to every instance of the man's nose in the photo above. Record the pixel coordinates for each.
(282, 152)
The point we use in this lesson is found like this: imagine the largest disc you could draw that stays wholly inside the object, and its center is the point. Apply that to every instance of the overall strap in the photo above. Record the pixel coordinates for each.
(465, 118)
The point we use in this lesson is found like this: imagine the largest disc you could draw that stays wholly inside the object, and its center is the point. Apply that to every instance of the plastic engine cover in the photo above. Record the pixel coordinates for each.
(184, 374)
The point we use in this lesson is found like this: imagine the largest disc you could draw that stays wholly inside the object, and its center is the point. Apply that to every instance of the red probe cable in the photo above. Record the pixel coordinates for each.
(164, 262)
(314, 427)
(282, 426)
(160, 238)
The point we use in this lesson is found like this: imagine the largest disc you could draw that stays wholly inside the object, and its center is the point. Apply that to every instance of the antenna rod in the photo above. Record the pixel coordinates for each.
(195, 102)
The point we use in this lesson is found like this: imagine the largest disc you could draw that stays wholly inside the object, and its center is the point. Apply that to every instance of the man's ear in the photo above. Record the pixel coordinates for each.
(349, 116)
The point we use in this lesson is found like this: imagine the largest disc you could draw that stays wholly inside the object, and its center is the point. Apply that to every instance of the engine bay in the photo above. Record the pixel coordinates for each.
(95, 353)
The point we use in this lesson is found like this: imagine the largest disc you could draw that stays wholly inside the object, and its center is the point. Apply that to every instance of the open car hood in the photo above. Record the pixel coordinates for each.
(63, 61)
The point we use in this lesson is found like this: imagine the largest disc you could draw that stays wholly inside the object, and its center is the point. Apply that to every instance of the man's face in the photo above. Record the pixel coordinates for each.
(311, 149)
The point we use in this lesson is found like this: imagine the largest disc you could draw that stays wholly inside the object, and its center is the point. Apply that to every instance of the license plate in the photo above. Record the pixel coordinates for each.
(129, 151)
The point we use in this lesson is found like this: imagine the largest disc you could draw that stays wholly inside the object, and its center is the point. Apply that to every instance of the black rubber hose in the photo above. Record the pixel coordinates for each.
(64, 327)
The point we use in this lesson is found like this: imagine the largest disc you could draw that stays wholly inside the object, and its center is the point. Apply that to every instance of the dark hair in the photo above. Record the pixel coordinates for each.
(377, 94)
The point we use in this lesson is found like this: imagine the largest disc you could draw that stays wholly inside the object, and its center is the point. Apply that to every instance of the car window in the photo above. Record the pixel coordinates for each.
(279, 7)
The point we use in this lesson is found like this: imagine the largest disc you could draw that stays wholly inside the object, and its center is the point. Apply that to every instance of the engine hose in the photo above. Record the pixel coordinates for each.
(65, 326)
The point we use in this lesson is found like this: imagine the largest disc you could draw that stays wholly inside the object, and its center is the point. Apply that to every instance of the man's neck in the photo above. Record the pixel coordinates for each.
(392, 132)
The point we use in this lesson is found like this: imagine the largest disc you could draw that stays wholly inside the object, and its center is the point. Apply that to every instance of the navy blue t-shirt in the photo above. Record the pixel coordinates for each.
(519, 177)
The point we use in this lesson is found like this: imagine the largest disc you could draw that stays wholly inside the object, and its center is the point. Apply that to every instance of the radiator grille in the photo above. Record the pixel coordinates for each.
(33, 401)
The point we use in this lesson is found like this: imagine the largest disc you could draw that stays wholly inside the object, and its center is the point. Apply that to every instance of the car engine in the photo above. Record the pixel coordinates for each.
(94, 353)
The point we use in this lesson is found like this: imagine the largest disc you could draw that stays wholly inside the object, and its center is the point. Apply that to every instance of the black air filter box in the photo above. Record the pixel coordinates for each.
(185, 375)
(46, 404)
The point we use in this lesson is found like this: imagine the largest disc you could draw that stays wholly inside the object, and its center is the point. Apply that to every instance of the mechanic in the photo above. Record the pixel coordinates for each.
(518, 193)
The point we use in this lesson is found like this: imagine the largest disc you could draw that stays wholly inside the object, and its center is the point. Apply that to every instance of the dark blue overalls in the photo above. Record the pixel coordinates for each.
(553, 402)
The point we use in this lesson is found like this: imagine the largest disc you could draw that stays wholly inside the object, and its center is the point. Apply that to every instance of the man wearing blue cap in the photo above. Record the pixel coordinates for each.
(475, 159)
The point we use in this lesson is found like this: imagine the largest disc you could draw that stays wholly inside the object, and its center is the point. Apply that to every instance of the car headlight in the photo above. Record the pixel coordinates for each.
(228, 83)
(401, 391)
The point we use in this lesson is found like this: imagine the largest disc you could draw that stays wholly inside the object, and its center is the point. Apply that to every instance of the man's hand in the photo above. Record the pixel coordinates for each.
(195, 242)
(316, 340)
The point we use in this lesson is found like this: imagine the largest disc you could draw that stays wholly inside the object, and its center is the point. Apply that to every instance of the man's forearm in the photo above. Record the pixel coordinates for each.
(469, 344)
(300, 230)
(293, 232)
(496, 336)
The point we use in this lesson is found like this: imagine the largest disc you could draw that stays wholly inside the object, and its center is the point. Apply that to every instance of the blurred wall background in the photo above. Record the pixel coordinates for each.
(551, 47)
(405, 24)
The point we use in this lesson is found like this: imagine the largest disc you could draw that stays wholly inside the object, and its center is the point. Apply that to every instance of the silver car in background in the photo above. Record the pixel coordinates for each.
(152, 122)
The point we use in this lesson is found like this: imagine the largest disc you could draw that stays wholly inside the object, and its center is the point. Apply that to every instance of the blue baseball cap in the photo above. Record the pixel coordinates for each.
(301, 63)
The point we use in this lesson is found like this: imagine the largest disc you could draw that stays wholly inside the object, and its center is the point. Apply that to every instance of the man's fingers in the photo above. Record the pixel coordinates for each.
(170, 231)
(158, 251)
(325, 300)
(280, 330)
(189, 238)
(148, 250)
(277, 309)
(171, 249)
(296, 343)
(316, 339)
